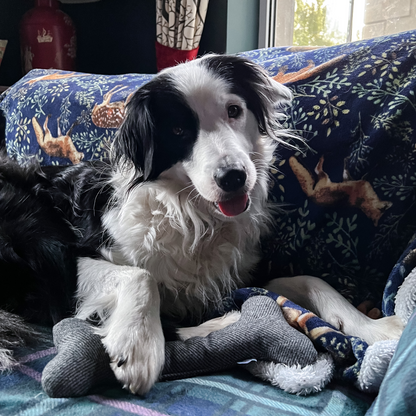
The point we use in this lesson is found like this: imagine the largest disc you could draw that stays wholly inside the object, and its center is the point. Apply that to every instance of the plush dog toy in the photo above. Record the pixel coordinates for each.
(262, 333)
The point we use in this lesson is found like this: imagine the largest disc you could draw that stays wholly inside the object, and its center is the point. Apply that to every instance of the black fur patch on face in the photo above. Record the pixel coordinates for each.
(248, 81)
(159, 129)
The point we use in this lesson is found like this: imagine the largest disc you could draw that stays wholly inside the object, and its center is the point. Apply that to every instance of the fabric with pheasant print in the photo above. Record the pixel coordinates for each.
(64, 117)
(347, 197)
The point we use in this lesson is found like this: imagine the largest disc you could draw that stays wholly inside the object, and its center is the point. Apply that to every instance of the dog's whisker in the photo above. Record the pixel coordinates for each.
(194, 198)
(185, 188)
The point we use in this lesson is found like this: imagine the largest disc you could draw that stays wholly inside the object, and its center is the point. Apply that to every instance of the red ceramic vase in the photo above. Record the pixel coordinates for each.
(47, 38)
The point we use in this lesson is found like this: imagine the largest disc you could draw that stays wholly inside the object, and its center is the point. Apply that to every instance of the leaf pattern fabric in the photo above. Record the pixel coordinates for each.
(88, 106)
(354, 107)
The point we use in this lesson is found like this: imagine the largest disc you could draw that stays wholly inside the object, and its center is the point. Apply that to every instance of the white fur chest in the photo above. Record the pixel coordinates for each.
(186, 248)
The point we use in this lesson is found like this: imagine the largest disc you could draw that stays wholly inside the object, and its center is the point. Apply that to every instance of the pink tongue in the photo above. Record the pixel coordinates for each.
(234, 206)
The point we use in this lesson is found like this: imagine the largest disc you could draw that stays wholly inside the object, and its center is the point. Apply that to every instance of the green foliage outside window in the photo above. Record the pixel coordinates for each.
(311, 27)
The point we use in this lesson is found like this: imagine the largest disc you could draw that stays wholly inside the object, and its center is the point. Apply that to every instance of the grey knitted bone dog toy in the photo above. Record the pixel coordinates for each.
(262, 333)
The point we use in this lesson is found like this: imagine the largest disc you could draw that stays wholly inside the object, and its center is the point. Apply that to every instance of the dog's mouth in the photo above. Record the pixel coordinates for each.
(234, 206)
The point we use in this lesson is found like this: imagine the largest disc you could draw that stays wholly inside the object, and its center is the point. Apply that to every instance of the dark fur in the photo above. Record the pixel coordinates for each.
(48, 217)
(147, 137)
(247, 82)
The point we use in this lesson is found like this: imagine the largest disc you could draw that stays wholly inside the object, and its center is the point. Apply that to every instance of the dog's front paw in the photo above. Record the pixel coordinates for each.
(137, 358)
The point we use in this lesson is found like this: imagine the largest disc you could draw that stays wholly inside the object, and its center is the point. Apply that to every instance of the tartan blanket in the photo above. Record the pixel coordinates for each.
(233, 393)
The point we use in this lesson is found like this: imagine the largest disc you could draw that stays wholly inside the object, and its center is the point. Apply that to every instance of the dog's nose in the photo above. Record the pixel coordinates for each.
(230, 179)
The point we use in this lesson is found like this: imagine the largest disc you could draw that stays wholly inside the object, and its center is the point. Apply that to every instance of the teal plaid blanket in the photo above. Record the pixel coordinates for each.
(227, 394)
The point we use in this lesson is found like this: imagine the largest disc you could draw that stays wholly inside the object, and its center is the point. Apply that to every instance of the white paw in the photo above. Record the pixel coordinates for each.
(137, 357)
(390, 327)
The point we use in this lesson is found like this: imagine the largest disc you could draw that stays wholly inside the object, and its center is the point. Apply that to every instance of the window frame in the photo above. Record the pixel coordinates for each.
(274, 16)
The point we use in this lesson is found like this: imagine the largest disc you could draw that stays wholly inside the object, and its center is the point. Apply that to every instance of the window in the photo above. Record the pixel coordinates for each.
(331, 22)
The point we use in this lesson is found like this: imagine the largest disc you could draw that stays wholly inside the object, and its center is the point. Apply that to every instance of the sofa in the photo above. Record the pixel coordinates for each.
(354, 106)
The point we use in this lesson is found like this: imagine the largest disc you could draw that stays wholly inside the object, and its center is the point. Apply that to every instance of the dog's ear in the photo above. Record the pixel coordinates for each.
(263, 95)
(133, 143)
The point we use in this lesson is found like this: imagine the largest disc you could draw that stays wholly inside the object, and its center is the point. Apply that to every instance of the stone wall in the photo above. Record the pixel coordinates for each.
(384, 17)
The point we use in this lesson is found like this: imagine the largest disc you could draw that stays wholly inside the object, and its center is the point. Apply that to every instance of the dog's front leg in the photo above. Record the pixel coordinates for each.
(132, 334)
(127, 300)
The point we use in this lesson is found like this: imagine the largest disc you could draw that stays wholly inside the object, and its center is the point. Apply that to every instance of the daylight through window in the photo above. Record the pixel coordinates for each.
(331, 22)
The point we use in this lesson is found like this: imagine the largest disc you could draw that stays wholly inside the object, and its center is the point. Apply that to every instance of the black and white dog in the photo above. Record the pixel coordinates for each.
(170, 226)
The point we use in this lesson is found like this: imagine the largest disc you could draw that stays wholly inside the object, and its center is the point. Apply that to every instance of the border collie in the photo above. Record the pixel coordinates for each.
(170, 226)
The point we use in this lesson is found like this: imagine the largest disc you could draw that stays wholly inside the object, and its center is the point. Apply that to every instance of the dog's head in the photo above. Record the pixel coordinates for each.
(204, 121)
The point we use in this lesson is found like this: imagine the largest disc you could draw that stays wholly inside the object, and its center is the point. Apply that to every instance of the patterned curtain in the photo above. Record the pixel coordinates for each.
(179, 26)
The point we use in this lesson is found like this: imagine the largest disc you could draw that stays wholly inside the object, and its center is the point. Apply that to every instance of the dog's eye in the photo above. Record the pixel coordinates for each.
(234, 111)
(177, 131)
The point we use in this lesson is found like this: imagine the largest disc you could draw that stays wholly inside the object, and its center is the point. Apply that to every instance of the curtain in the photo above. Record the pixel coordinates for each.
(179, 26)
